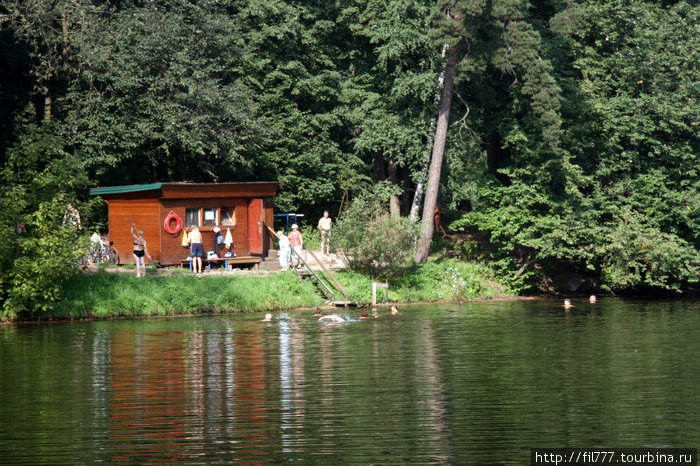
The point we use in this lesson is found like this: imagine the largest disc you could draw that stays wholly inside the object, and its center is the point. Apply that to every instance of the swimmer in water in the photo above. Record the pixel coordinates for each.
(394, 310)
(331, 318)
(268, 318)
(567, 303)
(318, 312)
(364, 314)
(592, 299)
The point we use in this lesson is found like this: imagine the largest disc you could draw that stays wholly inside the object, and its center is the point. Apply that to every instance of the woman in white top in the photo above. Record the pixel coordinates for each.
(284, 250)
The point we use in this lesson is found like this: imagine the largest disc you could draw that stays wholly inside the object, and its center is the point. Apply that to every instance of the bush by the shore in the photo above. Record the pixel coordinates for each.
(442, 281)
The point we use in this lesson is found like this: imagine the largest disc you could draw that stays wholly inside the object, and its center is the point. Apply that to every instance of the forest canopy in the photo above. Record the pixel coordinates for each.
(573, 132)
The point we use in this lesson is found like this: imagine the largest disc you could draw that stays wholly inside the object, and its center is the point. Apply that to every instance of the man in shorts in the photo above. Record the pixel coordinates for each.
(196, 249)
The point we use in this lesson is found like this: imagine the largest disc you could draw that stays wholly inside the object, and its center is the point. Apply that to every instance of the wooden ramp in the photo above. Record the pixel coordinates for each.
(308, 272)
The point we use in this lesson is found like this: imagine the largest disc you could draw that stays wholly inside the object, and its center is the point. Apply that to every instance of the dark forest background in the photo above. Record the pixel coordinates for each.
(573, 135)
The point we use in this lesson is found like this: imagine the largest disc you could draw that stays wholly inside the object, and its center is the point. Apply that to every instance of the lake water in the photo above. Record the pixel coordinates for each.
(479, 383)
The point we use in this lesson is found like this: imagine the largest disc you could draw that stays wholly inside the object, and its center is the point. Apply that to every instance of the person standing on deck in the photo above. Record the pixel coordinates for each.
(140, 250)
(196, 249)
(284, 250)
(297, 243)
(324, 226)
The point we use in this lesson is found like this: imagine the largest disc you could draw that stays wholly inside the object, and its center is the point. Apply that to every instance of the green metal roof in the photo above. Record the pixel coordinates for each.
(132, 188)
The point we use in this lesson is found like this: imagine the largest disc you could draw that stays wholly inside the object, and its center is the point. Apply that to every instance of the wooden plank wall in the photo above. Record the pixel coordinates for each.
(171, 250)
(269, 219)
(145, 214)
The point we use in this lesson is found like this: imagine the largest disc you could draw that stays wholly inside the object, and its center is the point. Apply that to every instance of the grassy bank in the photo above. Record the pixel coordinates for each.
(105, 295)
(442, 281)
(108, 295)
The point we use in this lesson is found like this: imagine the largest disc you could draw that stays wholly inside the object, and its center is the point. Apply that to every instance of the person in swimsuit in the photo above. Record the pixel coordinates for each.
(196, 249)
(324, 226)
(438, 220)
(332, 318)
(140, 250)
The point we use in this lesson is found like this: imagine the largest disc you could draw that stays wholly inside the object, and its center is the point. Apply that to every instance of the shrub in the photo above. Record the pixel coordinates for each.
(373, 243)
(46, 256)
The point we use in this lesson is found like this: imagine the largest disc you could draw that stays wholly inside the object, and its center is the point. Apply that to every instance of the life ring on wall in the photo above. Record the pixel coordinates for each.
(178, 223)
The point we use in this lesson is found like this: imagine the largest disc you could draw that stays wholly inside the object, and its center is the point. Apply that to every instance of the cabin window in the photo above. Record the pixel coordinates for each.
(210, 217)
(192, 217)
(228, 216)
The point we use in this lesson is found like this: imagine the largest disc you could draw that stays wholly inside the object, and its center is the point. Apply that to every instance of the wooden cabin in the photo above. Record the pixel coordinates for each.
(158, 208)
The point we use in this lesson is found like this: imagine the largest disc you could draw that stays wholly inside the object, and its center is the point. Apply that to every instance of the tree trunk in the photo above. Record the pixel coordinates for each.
(378, 172)
(64, 23)
(406, 185)
(427, 224)
(423, 174)
(47, 106)
(394, 203)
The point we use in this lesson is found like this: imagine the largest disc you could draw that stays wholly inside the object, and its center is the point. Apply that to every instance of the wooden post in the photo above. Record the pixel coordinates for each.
(376, 285)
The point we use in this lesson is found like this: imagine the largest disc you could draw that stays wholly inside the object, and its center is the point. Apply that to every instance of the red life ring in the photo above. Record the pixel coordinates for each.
(178, 223)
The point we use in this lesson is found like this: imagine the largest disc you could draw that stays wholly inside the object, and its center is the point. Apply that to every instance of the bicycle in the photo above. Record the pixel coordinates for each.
(108, 253)
(102, 251)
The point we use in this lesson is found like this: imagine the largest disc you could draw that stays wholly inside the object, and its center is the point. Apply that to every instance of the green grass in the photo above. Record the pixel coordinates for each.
(106, 295)
(446, 280)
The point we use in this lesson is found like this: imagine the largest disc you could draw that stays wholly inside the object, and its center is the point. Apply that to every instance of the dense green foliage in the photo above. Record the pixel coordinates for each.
(40, 247)
(573, 136)
(615, 193)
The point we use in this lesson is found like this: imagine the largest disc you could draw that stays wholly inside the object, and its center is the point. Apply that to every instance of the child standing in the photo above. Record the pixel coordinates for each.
(284, 250)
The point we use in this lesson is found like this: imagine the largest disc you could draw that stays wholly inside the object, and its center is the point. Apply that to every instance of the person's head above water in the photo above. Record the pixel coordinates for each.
(364, 314)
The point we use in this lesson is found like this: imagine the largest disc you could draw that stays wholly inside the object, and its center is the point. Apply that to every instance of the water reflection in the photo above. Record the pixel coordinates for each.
(480, 383)
(148, 396)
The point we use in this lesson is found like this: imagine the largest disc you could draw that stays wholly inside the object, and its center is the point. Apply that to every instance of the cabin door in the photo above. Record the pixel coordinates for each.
(255, 226)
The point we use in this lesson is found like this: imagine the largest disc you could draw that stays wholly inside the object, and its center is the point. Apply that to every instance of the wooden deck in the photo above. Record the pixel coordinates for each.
(347, 304)
(228, 262)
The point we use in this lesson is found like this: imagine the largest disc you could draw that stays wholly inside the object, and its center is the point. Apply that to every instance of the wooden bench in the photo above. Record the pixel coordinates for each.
(234, 262)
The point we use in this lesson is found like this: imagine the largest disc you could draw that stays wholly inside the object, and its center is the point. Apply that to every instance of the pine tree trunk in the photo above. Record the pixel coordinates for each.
(407, 186)
(427, 225)
(394, 203)
(64, 23)
(48, 102)
(378, 167)
(423, 174)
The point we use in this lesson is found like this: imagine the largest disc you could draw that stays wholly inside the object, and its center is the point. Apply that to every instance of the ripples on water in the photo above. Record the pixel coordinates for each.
(473, 384)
